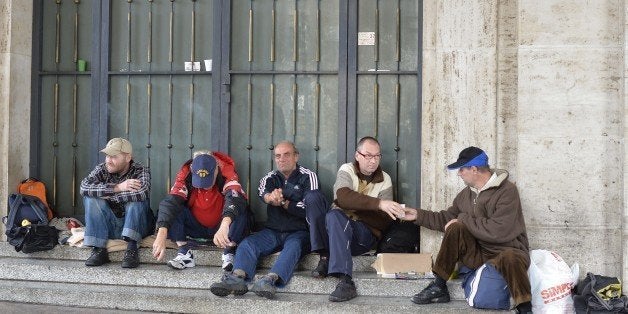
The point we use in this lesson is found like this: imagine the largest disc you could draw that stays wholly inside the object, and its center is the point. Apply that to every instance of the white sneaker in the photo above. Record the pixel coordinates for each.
(182, 261)
(227, 261)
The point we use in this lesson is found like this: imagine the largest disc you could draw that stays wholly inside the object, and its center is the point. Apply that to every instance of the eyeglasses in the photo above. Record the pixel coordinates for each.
(370, 157)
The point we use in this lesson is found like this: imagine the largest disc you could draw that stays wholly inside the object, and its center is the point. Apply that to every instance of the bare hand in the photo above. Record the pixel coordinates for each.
(392, 208)
(221, 238)
(410, 214)
(275, 197)
(450, 222)
(129, 185)
(159, 246)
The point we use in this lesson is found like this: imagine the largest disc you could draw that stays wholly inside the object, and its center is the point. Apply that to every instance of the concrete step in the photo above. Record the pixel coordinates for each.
(208, 256)
(134, 298)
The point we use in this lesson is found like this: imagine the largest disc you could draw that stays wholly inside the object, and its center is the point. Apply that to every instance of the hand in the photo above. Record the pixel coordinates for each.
(450, 222)
(392, 208)
(410, 214)
(159, 246)
(128, 185)
(275, 197)
(221, 237)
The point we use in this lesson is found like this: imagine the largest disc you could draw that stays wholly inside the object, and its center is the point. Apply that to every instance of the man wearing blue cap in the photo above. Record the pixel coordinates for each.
(205, 201)
(484, 224)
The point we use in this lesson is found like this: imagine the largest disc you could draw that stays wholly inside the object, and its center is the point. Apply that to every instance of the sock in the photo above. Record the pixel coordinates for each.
(345, 278)
(131, 245)
(184, 249)
(524, 307)
(440, 281)
(239, 273)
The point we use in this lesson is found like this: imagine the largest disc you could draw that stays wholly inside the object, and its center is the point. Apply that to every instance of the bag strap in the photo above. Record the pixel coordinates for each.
(39, 207)
(597, 296)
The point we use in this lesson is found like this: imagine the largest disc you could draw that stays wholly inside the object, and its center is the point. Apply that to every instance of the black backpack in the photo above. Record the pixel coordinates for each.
(400, 237)
(27, 224)
(599, 294)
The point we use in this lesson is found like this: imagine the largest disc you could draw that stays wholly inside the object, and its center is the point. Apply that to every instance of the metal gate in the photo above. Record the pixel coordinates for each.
(321, 73)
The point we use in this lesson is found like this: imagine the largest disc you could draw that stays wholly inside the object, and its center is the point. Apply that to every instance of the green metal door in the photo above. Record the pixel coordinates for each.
(321, 73)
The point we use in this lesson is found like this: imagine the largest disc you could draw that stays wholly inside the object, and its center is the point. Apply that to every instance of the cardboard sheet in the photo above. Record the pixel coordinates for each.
(390, 264)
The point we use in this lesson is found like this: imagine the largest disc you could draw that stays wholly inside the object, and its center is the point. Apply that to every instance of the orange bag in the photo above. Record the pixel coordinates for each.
(34, 187)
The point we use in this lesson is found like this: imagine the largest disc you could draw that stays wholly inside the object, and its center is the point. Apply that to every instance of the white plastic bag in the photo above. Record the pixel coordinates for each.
(551, 280)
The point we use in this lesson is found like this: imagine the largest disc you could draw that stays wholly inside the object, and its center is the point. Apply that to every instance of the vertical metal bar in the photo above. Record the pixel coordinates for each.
(75, 35)
(56, 107)
(170, 33)
(317, 126)
(74, 144)
(250, 35)
(149, 87)
(272, 37)
(294, 108)
(376, 52)
(74, 181)
(54, 179)
(295, 36)
(128, 107)
(249, 104)
(193, 34)
(376, 109)
(128, 47)
(419, 76)
(170, 87)
(397, 148)
(398, 35)
(191, 95)
(317, 57)
(272, 111)
(150, 31)
(58, 33)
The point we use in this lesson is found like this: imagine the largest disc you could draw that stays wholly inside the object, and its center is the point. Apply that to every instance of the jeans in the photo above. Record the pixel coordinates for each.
(101, 224)
(293, 246)
(347, 238)
(185, 225)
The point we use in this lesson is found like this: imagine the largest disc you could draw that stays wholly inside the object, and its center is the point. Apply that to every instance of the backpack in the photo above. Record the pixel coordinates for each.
(34, 187)
(27, 225)
(485, 288)
(400, 237)
(599, 294)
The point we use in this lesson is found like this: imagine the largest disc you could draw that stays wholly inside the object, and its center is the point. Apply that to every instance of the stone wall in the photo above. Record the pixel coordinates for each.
(539, 85)
(15, 82)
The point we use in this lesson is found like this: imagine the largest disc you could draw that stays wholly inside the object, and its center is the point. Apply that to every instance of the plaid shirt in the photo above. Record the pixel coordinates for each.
(99, 183)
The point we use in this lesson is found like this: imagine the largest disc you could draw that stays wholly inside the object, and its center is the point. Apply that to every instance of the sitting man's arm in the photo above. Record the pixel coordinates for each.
(96, 185)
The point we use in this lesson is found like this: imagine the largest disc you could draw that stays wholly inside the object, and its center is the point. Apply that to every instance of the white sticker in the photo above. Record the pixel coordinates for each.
(366, 38)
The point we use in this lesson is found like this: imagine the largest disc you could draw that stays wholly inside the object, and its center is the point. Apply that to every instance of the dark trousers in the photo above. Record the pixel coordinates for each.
(459, 245)
(316, 207)
(345, 238)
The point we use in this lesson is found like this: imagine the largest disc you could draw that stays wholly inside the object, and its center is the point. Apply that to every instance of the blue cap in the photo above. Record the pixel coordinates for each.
(203, 167)
(468, 157)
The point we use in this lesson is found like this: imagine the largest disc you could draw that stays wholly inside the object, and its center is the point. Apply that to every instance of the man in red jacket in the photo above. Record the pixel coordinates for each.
(206, 201)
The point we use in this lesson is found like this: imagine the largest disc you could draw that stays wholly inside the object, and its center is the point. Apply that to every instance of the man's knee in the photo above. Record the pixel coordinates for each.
(334, 216)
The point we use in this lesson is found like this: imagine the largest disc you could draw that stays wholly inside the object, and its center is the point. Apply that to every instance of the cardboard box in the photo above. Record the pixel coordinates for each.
(389, 264)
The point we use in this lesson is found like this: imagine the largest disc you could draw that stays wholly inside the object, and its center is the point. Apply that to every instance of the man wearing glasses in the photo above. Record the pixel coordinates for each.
(362, 209)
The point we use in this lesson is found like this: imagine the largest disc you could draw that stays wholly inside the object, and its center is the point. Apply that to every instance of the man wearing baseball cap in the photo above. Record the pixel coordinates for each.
(206, 201)
(484, 224)
(115, 196)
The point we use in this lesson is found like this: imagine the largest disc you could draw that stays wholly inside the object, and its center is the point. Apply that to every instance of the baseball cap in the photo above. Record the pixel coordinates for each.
(470, 156)
(116, 146)
(203, 167)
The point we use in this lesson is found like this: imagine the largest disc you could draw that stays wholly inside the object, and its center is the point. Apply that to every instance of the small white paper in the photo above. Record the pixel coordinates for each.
(188, 66)
(208, 65)
(366, 38)
(196, 66)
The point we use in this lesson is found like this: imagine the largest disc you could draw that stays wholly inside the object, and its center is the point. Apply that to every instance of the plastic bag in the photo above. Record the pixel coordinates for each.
(551, 280)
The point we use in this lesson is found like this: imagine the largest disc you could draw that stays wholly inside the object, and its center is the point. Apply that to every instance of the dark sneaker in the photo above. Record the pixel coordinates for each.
(321, 269)
(433, 293)
(265, 287)
(524, 308)
(131, 259)
(345, 291)
(229, 284)
(99, 257)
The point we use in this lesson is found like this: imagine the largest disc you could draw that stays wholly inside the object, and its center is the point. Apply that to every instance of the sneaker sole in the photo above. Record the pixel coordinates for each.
(337, 299)
(96, 264)
(318, 275)
(223, 291)
(265, 294)
(443, 299)
(181, 266)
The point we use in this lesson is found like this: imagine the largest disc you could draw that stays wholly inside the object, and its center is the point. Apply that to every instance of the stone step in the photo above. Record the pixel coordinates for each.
(209, 256)
(191, 300)
(200, 277)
